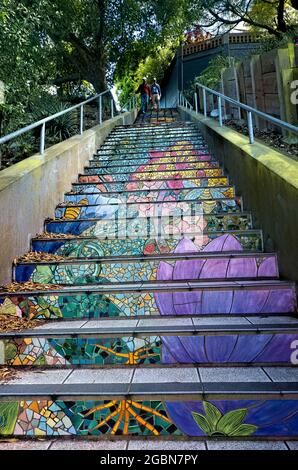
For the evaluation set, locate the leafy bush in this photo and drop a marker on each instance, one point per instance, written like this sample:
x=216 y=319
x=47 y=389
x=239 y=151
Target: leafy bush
x=154 y=65
x=63 y=126
x=211 y=76
x=268 y=43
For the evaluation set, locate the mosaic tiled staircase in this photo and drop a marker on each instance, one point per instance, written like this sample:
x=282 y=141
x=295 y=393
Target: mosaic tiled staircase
x=172 y=319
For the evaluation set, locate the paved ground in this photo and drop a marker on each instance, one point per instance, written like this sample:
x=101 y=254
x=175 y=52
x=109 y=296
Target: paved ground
x=147 y=445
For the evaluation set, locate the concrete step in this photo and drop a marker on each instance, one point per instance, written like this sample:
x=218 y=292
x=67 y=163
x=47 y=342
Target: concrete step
x=187 y=141
x=246 y=402
x=161 y=443
x=145 y=227
x=86 y=246
x=188 y=216
x=135 y=269
x=170 y=136
x=153 y=342
x=164 y=296
x=177 y=255
x=137 y=126
x=150 y=185
x=183 y=150
x=148 y=166
x=162 y=130
x=149 y=158
x=180 y=178
x=143 y=209
x=169 y=139
x=111 y=208
x=93 y=195
x=143 y=174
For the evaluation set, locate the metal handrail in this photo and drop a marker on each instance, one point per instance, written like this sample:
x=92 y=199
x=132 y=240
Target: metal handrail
x=131 y=103
x=43 y=121
x=182 y=101
x=249 y=110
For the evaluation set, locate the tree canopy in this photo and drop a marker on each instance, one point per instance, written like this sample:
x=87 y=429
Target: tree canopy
x=275 y=17
x=57 y=42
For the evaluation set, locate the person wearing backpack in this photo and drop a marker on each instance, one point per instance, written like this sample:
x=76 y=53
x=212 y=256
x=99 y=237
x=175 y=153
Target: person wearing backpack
x=156 y=95
x=145 y=91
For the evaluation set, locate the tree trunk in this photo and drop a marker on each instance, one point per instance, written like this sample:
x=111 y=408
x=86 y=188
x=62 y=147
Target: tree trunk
x=96 y=73
x=281 y=24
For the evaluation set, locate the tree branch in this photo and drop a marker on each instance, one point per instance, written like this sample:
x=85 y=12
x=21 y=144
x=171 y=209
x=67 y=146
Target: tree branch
x=79 y=45
x=71 y=78
x=246 y=19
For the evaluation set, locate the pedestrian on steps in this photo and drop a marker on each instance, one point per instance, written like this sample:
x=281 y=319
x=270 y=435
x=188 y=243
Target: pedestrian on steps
x=145 y=91
x=156 y=95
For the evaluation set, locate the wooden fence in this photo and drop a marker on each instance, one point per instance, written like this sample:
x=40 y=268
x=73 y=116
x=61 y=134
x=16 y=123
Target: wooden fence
x=264 y=81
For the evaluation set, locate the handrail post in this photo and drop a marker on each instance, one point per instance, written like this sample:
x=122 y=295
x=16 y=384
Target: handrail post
x=219 y=111
x=112 y=108
x=42 y=138
x=100 y=109
x=250 y=127
x=205 y=102
x=81 y=119
x=196 y=102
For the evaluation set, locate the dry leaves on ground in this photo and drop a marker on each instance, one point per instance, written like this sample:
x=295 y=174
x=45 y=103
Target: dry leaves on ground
x=54 y=235
x=39 y=256
x=7 y=374
x=70 y=204
x=29 y=286
x=271 y=138
x=13 y=323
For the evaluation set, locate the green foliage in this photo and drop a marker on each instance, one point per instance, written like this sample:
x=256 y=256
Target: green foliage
x=8 y=417
x=63 y=126
x=211 y=76
x=154 y=65
x=268 y=43
x=215 y=424
x=266 y=12
x=77 y=43
x=271 y=16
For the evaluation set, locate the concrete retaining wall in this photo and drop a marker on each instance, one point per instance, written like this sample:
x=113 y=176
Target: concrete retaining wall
x=268 y=182
x=31 y=189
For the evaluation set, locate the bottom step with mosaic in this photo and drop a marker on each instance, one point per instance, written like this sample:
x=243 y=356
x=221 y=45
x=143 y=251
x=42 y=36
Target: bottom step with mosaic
x=194 y=402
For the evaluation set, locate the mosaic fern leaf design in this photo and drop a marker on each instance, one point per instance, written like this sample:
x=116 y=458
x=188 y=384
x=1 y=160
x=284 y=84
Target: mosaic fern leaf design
x=8 y=417
x=215 y=424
